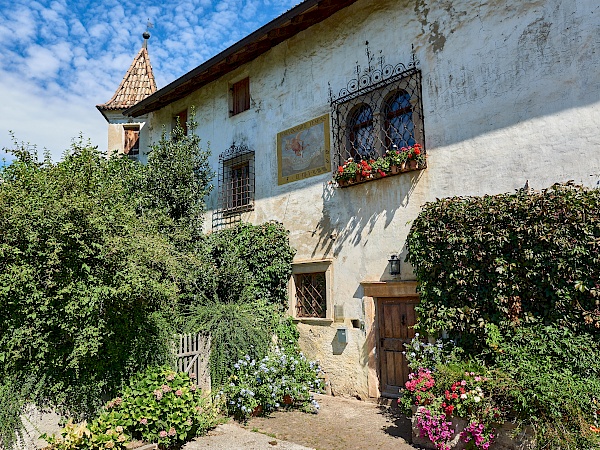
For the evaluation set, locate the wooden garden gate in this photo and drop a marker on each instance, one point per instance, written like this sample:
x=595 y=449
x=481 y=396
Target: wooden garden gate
x=193 y=354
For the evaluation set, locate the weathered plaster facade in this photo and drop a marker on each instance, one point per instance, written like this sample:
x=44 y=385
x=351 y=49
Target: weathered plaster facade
x=117 y=124
x=511 y=92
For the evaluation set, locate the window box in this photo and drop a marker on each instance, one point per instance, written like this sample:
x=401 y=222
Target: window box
x=395 y=162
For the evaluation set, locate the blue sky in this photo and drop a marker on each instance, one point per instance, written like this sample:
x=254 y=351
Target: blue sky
x=60 y=58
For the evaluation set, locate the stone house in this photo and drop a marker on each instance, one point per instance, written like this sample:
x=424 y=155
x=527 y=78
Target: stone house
x=497 y=93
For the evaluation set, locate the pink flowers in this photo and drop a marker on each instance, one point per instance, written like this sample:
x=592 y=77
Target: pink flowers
x=158 y=394
x=163 y=434
x=144 y=421
x=422 y=381
x=193 y=388
x=178 y=392
x=476 y=432
x=172 y=431
x=170 y=377
x=435 y=427
x=165 y=388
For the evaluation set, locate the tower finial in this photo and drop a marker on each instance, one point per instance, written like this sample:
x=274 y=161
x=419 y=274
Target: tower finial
x=146 y=34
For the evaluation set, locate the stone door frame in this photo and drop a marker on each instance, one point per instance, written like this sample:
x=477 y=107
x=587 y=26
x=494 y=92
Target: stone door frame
x=372 y=291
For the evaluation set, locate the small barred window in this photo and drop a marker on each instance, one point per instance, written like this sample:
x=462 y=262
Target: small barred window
x=236 y=186
x=311 y=295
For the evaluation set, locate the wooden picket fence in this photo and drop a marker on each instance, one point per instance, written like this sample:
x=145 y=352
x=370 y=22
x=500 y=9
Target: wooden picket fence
x=192 y=357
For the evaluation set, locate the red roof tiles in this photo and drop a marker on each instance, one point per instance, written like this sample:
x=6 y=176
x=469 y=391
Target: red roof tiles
x=138 y=83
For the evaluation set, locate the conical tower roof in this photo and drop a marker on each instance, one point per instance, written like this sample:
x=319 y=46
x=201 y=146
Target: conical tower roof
x=138 y=83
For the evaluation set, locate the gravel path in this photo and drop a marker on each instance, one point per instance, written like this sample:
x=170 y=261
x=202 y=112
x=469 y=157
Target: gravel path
x=341 y=424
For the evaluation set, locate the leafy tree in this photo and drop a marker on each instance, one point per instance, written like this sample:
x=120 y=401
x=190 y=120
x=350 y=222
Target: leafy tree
x=177 y=178
x=85 y=280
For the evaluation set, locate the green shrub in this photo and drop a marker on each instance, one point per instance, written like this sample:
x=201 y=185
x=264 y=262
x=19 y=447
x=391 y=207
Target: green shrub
x=277 y=380
x=158 y=406
x=261 y=252
x=235 y=330
x=555 y=379
x=13 y=400
x=514 y=278
x=240 y=294
x=508 y=259
x=83 y=280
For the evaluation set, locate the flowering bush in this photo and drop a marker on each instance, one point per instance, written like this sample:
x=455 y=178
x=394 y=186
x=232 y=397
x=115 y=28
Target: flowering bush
x=159 y=406
x=279 y=379
x=466 y=398
x=435 y=427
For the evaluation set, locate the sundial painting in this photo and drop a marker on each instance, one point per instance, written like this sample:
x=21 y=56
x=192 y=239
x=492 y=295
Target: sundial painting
x=303 y=151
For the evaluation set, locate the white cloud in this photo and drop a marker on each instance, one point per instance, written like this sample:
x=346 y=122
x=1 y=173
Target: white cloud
x=41 y=62
x=50 y=122
x=60 y=57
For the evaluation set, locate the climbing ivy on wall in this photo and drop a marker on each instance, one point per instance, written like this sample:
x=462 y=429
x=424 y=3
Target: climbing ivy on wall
x=509 y=259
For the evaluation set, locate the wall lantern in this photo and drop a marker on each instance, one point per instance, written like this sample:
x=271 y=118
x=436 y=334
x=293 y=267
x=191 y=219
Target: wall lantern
x=394 y=265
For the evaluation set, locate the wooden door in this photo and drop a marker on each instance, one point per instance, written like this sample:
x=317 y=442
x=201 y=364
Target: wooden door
x=396 y=317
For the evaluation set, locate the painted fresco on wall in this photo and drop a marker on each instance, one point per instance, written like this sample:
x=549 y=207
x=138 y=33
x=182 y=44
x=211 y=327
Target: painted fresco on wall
x=303 y=151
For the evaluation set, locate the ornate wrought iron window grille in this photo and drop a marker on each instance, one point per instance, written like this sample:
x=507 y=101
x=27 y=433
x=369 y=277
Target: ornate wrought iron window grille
x=311 y=295
x=236 y=185
x=381 y=107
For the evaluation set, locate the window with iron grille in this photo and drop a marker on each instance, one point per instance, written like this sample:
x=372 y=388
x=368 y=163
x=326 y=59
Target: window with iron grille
x=378 y=110
x=311 y=295
x=236 y=185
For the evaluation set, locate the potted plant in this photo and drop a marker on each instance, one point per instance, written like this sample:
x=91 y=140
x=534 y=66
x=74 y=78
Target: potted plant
x=416 y=157
x=381 y=167
x=347 y=172
x=365 y=169
x=396 y=159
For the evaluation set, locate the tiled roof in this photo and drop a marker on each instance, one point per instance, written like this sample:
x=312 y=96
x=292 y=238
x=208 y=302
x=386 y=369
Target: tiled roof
x=138 y=83
x=299 y=18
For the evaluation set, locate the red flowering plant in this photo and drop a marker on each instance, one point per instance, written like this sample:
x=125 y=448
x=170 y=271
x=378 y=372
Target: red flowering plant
x=415 y=153
x=396 y=157
x=420 y=384
x=366 y=168
x=347 y=171
x=381 y=166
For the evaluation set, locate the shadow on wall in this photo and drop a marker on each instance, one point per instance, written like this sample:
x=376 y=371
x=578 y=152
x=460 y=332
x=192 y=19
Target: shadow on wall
x=350 y=214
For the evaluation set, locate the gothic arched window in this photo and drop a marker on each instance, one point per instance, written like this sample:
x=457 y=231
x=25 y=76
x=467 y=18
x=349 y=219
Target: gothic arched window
x=361 y=133
x=399 y=125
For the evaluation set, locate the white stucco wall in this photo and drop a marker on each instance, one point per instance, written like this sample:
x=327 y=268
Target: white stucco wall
x=116 y=134
x=511 y=92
